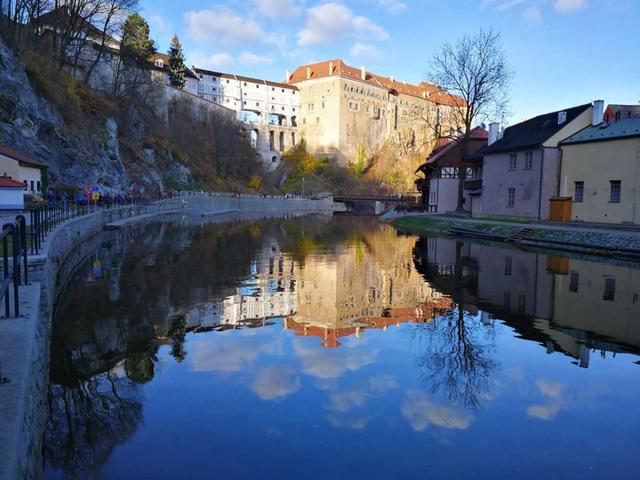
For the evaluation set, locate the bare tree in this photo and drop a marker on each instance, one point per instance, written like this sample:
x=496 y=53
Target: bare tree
x=112 y=15
x=475 y=69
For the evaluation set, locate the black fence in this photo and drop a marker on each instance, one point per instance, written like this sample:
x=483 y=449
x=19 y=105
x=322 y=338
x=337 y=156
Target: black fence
x=14 y=263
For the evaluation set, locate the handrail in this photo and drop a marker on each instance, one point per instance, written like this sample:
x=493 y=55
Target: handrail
x=12 y=275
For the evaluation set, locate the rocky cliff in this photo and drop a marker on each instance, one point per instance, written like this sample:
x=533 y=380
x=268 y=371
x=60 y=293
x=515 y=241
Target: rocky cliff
x=75 y=155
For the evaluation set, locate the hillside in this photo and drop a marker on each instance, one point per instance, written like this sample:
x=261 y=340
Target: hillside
x=85 y=138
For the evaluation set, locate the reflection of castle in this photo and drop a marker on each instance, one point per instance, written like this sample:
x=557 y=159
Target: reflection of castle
x=368 y=283
x=567 y=305
x=268 y=292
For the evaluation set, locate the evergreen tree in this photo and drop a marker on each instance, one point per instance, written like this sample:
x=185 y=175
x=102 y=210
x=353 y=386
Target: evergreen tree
x=176 y=64
x=136 y=46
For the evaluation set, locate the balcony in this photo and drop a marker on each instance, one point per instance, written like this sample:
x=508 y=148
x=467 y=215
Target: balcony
x=473 y=185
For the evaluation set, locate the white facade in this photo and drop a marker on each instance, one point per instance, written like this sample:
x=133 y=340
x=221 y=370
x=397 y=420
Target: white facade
x=270 y=102
x=269 y=109
x=11 y=198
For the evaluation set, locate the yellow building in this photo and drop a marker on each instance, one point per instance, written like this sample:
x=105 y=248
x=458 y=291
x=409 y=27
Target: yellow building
x=344 y=110
x=601 y=172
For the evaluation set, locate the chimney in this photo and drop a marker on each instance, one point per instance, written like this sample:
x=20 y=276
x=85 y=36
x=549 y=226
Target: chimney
x=331 y=68
x=308 y=73
x=598 y=112
x=287 y=76
x=392 y=79
x=562 y=117
x=363 y=73
x=494 y=133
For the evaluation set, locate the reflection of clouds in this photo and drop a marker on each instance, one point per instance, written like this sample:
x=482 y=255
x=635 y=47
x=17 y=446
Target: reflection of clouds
x=275 y=382
x=344 y=405
x=230 y=353
x=332 y=363
x=347 y=400
x=552 y=391
x=358 y=422
x=422 y=412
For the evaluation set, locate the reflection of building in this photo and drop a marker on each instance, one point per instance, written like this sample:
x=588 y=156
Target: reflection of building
x=369 y=282
x=566 y=305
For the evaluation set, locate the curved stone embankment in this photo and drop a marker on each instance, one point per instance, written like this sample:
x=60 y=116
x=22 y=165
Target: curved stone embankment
x=229 y=202
x=24 y=341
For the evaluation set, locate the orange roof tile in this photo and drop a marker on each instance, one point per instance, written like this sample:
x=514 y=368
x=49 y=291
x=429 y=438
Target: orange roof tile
x=423 y=90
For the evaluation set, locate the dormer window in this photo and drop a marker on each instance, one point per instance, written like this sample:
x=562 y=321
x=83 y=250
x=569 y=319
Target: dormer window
x=159 y=63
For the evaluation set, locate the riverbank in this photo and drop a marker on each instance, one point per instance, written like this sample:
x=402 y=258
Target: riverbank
x=583 y=239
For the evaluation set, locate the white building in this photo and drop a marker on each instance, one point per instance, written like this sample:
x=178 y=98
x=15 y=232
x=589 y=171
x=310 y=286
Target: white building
x=270 y=108
x=18 y=166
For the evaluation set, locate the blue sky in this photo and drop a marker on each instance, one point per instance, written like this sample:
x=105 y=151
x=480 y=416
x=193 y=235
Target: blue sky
x=563 y=52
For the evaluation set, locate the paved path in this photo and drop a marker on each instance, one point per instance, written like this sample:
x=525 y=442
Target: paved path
x=623 y=230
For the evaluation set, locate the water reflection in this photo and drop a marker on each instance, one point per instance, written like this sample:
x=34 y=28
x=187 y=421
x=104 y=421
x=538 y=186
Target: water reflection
x=568 y=305
x=198 y=342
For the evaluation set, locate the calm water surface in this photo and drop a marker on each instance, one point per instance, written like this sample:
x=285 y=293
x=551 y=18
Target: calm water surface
x=334 y=348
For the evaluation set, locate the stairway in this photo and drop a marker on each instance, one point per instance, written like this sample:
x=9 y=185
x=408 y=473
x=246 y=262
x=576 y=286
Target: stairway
x=520 y=235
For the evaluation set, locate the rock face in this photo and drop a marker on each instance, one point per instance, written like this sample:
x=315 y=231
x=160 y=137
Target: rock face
x=28 y=123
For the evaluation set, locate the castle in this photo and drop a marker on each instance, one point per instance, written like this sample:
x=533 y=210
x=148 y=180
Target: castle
x=337 y=109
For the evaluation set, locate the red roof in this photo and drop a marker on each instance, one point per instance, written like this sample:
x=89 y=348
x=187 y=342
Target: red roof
x=424 y=90
x=6 y=182
x=20 y=157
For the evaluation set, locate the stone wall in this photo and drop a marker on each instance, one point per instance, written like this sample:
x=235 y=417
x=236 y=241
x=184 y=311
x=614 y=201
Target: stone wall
x=228 y=202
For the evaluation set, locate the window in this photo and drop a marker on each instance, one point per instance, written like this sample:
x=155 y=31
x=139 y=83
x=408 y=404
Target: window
x=574 y=279
x=310 y=107
x=579 y=192
x=507 y=265
x=512 y=161
x=609 y=289
x=317 y=119
x=528 y=160
x=511 y=202
x=38 y=185
x=257 y=104
x=32 y=185
x=616 y=186
x=257 y=86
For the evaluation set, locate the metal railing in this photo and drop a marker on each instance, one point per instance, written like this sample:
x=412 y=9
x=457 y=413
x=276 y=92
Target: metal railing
x=13 y=235
x=46 y=217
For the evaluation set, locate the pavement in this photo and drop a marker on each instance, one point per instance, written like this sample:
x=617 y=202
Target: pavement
x=18 y=344
x=599 y=228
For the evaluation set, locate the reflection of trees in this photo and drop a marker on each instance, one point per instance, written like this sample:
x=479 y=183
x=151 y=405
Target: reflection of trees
x=458 y=357
x=87 y=421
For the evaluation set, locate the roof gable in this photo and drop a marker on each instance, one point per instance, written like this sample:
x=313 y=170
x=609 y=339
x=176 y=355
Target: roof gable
x=534 y=132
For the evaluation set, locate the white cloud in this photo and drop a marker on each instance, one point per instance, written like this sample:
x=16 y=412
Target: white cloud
x=328 y=364
x=533 y=15
x=567 y=6
x=421 y=412
x=553 y=391
x=275 y=382
x=278 y=8
x=249 y=58
x=393 y=6
x=224 y=26
x=215 y=62
x=332 y=22
x=363 y=50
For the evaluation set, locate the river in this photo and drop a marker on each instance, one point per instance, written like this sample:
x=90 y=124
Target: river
x=319 y=347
